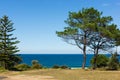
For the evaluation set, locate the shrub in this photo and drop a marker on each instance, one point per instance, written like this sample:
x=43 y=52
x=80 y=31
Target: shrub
x=22 y=67
x=60 y=67
x=35 y=62
x=2 y=69
x=36 y=65
x=113 y=63
x=102 y=61
x=64 y=67
x=56 y=67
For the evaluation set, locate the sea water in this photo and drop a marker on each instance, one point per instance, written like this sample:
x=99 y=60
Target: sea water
x=49 y=60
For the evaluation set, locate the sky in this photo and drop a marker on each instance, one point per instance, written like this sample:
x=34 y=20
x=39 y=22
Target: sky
x=36 y=21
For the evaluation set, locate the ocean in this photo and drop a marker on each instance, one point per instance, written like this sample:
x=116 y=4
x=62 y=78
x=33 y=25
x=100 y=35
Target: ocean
x=49 y=60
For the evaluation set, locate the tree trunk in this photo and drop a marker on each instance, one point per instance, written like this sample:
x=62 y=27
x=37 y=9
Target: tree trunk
x=84 y=53
x=95 y=59
x=84 y=60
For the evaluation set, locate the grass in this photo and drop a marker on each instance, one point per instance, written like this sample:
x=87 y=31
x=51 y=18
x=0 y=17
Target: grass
x=75 y=74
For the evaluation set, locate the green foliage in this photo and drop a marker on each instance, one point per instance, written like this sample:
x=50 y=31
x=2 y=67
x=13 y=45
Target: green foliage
x=56 y=67
x=2 y=69
x=36 y=65
x=60 y=67
x=80 y=25
x=113 y=63
x=7 y=44
x=7 y=41
x=22 y=67
x=88 y=28
x=13 y=60
x=102 y=61
x=103 y=37
x=64 y=67
x=35 y=62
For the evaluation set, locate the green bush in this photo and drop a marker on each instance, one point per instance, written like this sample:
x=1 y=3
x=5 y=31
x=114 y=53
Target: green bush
x=36 y=65
x=64 y=67
x=113 y=63
x=35 y=62
x=22 y=67
x=102 y=61
x=56 y=67
x=2 y=69
x=60 y=67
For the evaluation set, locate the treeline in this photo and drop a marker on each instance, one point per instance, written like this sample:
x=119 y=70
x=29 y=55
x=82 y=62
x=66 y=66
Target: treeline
x=90 y=31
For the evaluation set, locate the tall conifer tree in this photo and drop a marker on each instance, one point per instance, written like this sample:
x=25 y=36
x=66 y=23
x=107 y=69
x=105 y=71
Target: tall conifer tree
x=7 y=44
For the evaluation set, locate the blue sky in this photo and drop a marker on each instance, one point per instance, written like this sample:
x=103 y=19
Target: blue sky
x=36 y=21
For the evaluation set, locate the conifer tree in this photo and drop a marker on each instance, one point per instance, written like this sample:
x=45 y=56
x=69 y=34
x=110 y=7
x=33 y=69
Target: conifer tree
x=7 y=44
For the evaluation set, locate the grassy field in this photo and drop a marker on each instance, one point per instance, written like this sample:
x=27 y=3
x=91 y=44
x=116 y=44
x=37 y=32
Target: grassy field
x=76 y=74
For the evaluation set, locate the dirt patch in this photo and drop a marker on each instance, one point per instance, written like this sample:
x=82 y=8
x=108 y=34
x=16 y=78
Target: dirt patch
x=2 y=77
x=27 y=77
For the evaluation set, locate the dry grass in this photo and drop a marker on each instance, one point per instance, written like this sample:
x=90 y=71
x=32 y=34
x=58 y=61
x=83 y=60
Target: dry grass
x=76 y=74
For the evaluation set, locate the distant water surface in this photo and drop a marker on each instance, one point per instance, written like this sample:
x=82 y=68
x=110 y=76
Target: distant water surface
x=48 y=60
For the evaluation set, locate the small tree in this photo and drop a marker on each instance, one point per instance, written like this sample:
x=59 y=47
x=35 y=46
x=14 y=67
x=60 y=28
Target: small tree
x=7 y=44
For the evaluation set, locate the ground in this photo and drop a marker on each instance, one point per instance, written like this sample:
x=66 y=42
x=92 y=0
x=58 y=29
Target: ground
x=59 y=74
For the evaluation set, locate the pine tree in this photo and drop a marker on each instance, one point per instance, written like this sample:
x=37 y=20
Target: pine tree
x=7 y=44
x=88 y=29
x=80 y=25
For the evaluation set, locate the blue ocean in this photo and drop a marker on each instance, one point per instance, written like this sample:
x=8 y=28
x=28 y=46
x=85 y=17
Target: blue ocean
x=49 y=60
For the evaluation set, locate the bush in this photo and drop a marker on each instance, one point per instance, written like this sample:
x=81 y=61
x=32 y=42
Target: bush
x=60 y=67
x=2 y=69
x=64 y=67
x=35 y=62
x=102 y=61
x=36 y=65
x=113 y=63
x=56 y=67
x=22 y=67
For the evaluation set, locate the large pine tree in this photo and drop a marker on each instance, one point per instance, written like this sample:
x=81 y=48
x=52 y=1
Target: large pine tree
x=80 y=25
x=88 y=29
x=7 y=44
